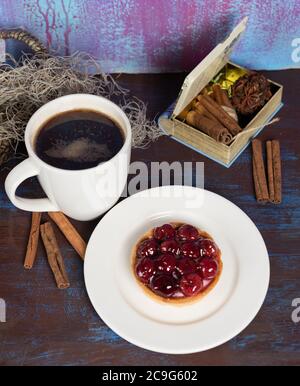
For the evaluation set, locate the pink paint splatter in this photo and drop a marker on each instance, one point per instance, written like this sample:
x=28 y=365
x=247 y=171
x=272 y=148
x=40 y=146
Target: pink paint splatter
x=160 y=35
x=45 y=16
x=68 y=28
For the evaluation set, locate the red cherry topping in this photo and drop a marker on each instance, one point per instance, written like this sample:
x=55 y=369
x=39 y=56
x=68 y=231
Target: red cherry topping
x=208 y=268
x=177 y=259
x=190 y=249
x=176 y=275
x=148 y=248
x=187 y=233
x=186 y=265
x=145 y=269
x=163 y=285
x=165 y=232
x=170 y=246
x=191 y=284
x=208 y=248
x=166 y=263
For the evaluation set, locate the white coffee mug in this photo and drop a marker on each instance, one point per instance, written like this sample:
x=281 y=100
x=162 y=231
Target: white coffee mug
x=81 y=194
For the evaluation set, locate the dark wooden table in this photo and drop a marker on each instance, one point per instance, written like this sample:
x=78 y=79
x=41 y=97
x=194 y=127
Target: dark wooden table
x=47 y=326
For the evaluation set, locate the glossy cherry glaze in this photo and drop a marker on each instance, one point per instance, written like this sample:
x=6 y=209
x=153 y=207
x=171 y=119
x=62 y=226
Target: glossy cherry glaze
x=145 y=269
x=186 y=265
x=190 y=249
x=165 y=232
x=208 y=268
x=177 y=262
x=148 y=248
x=166 y=263
x=187 y=232
x=191 y=284
x=171 y=246
x=163 y=285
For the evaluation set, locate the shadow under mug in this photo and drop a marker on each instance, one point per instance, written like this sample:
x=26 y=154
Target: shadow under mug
x=80 y=194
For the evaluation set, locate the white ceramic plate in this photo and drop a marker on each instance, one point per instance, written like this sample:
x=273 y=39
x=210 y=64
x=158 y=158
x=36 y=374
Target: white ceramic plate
x=223 y=313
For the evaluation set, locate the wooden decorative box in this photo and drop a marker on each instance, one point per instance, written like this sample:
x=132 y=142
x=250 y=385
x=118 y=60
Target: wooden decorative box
x=193 y=84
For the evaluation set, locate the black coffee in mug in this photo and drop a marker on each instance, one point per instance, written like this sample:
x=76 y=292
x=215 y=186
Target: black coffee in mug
x=78 y=139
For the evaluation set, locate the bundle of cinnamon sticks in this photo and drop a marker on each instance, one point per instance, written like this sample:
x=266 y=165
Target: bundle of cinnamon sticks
x=54 y=255
x=267 y=185
x=214 y=115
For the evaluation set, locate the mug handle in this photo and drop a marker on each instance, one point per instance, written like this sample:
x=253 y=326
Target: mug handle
x=19 y=174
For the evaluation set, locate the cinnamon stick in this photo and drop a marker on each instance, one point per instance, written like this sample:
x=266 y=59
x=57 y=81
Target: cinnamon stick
x=221 y=96
x=54 y=256
x=274 y=170
x=204 y=91
x=69 y=232
x=222 y=116
x=226 y=101
x=197 y=106
x=270 y=170
x=209 y=127
x=259 y=174
x=255 y=179
x=223 y=100
x=33 y=240
x=217 y=93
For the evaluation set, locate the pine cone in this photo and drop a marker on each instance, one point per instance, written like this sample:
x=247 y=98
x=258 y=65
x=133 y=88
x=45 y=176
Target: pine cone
x=250 y=92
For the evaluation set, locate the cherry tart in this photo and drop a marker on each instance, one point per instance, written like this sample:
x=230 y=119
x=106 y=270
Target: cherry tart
x=177 y=262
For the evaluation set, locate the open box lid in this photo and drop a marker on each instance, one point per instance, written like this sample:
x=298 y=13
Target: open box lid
x=207 y=69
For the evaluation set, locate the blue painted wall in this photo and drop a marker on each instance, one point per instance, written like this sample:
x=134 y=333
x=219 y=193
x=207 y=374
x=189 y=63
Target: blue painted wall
x=161 y=35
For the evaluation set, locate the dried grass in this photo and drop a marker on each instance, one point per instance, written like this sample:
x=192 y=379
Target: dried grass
x=28 y=85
